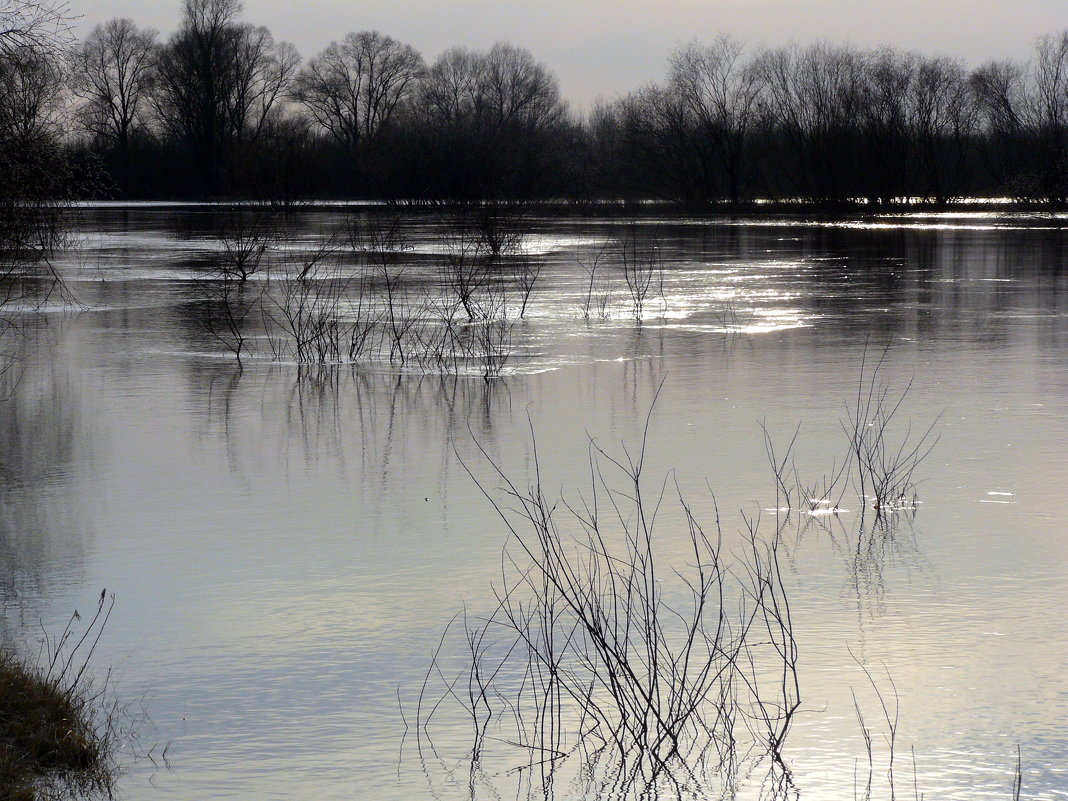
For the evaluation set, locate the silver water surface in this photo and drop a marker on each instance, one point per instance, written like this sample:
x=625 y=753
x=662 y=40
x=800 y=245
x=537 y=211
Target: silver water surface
x=286 y=548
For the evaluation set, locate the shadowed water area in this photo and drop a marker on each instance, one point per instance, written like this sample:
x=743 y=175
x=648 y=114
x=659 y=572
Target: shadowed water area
x=287 y=543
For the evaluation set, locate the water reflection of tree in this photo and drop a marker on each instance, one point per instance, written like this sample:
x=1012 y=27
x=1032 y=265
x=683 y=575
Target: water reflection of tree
x=41 y=429
x=38 y=419
x=867 y=547
x=356 y=425
x=886 y=543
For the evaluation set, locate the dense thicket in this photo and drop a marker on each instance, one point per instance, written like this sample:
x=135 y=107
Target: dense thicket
x=220 y=109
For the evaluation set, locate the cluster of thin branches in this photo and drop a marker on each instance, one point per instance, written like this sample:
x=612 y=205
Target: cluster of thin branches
x=357 y=297
x=486 y=261
x=598 y=654
x=634 y=257
x=601 y=666
x=31 y=230
x=884 y=463
x=247 y=237
x=643 y=269
x=866 y=779
x=315 y=316
x=41 y=25
x=35 y=177
x=461 y=321
x=596 y=293
x=882 y=457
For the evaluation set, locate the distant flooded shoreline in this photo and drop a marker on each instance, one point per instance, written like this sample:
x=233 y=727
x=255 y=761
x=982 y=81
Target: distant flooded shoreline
x=994 y=212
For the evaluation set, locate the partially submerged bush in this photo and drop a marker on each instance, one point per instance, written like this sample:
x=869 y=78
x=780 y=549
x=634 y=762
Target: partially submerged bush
x=883 y=454
x=643 y=675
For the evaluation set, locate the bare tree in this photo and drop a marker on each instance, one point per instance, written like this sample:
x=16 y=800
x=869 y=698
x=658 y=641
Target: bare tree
x=941 y=121
x=30 y=97
x=692 y=136
x=517 y=90
x=353 y=87
x=217 y=82
x=1018 y=109
x=38 y=25
x=883 y=156
x=191 y=82
x=504 y=86
x=719 y=93
x=1000 y=89
x=263 y=72
x=1049 y=112
x=32 y=36
x=112 y=73
x=489 y=120
x=450 y=87
x=660 y=143
x=34 y=178
x=811 y=98
x=33 y=175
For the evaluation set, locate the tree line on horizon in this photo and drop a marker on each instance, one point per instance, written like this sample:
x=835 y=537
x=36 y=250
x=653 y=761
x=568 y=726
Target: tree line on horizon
x=220 y=109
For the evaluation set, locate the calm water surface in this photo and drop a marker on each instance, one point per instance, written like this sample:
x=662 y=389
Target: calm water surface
x=285 y=549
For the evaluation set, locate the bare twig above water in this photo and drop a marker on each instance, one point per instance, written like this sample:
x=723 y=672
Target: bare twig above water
x=597 y=650
x=882 y=457
x=885 y=461
x=643 y=269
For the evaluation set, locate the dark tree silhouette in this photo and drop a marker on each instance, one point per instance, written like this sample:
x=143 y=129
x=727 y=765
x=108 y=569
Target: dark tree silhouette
x=217 y=83
x=35 y=181
x=112 y=76
x=353 y=88
x=230 y=112
x=719 y=94
x=488 y=122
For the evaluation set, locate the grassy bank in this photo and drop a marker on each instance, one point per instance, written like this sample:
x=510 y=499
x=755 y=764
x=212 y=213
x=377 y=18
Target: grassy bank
x=55 y=731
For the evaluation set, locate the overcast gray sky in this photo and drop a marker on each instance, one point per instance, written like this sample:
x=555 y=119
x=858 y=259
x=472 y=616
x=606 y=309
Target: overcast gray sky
x=609 y=47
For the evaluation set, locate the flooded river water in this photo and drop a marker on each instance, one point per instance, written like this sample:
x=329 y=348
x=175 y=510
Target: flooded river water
x=286 y=545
